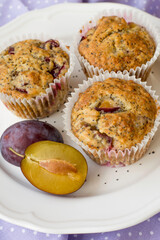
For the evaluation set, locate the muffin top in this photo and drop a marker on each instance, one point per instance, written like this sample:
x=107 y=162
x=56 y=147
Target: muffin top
x=116 y=45
x=28 y=67
x=113 y=114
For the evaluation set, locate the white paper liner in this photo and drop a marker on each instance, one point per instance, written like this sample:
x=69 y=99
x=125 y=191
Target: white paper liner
x=45 y=104
x=112 y=157
x=130 y=15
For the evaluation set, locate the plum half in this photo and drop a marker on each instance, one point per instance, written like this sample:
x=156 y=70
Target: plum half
x=20 y=135
x=54 y=167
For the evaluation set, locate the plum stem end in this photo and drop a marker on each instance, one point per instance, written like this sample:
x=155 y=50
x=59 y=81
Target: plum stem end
x=18 y=154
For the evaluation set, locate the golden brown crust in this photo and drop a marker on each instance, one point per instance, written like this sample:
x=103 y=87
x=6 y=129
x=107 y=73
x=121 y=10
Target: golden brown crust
x=28 y=67
x=133 y=116
x=116 y=45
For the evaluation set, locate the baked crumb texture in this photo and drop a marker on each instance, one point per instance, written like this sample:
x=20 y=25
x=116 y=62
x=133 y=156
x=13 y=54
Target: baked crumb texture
x=31 y=73
x=113 y=115
x=115 y=45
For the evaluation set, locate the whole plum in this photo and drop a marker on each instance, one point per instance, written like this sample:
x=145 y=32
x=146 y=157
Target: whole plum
x=22 y=134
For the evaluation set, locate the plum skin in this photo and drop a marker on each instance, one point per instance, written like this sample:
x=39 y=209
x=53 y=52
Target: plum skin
x=22 y=134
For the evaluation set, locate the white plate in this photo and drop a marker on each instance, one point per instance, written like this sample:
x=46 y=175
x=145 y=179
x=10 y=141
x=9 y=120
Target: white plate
x=111 y=198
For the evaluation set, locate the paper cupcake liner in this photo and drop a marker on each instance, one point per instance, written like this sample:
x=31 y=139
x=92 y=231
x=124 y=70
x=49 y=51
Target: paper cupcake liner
x=130 y=15
x=45 y=104
x=111 y=157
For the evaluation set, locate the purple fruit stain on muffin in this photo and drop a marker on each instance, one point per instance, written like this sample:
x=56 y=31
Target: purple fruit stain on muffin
x=82 y=38
x=56 y=70
x=108 y=138
x=107 y=110
x=47 y=59
x=21 y=90
x=53 y=43
x=104 y=135
x=11 y=50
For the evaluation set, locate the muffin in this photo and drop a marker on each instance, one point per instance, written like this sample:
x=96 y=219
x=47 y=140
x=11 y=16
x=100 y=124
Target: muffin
x=112 y=119
x=118 y=43
x=33 y=77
